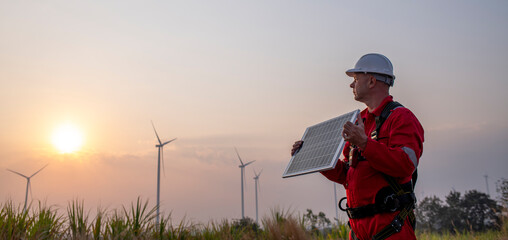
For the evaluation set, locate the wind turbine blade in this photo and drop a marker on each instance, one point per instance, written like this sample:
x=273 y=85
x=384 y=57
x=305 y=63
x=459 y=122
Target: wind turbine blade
x=17 y=173
x=249 y=163
x=169 y=141
x=156 y=133
x=239 y=158
x=256 y=179
x=39 y=170
x=257 y=174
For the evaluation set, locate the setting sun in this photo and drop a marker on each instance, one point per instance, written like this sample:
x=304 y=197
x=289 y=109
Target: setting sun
x=67 y=138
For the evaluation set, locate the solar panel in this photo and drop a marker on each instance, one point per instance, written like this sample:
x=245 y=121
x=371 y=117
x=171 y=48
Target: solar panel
x=322 y=146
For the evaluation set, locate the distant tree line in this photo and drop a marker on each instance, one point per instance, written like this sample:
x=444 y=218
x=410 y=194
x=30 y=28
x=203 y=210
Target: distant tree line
x=474 y=211
x=316 y=222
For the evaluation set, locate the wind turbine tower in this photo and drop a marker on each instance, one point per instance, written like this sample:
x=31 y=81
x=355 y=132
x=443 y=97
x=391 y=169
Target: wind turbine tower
x=336 y=202
x=28 y=185
x=242 y=171
x=256 y=181
x=487 y=183
x=160 y=147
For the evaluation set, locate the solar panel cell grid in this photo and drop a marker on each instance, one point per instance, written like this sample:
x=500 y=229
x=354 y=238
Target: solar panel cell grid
x=322 y=146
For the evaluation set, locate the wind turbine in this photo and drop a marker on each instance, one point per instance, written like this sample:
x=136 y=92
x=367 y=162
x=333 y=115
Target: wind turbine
x=242 y=170
x=160 y=147
x=256 y=180
x=28 y=185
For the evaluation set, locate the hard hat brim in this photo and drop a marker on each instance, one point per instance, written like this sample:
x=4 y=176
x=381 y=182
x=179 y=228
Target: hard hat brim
x=351 y=72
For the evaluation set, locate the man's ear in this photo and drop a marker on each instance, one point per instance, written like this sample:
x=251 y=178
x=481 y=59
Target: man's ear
x=372 y=81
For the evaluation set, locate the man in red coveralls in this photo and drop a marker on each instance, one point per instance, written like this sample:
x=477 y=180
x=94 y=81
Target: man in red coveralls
x=393 y=150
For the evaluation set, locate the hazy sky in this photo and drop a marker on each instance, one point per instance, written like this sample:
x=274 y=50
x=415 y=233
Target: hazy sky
x=245 y=74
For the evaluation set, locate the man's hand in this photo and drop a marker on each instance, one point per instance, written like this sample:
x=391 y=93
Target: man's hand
x=355 y=134
x=296 y=146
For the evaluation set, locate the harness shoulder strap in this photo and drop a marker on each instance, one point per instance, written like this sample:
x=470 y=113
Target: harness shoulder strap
x=383 y=116
x=397 y=223
x=379 y=122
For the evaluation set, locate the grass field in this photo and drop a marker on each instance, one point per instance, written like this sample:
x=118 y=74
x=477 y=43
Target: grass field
x=138 y=222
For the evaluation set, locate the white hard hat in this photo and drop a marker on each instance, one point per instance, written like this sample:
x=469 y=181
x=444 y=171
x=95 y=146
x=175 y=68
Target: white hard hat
x=374 y=63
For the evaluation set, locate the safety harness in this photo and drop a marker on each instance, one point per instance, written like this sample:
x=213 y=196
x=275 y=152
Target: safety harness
x=396 y=197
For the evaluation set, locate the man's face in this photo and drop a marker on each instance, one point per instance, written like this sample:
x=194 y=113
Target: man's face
x=360 y=86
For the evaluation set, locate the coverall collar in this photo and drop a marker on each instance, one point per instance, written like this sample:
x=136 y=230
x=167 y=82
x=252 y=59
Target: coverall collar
x=379 y=109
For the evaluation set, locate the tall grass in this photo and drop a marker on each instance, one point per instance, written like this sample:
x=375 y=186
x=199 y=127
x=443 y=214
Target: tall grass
x=502 y=234
x=136 y=222
x=283 y=225
x=77 y=220
x=42 y=223
x=13 y=221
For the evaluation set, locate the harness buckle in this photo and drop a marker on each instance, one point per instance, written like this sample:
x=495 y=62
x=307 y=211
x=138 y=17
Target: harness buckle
x=397 y=224
x=349 y=213
x=348 y=210
x=373 y=135
x=391 y=202
x=340 y=204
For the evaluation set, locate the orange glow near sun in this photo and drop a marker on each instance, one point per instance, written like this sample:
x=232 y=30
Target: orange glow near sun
x=67 y=138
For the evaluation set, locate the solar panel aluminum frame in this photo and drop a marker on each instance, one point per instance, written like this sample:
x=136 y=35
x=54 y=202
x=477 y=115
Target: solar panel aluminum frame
x=336 y=155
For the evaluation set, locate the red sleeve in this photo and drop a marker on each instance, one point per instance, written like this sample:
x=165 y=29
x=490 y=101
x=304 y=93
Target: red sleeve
x=399 y=155
x=338 y=174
